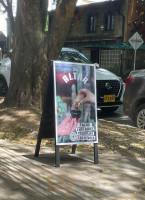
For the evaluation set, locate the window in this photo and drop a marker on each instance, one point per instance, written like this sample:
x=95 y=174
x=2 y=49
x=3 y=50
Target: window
x=109 y=22
x=70 y=56
x=92 y=24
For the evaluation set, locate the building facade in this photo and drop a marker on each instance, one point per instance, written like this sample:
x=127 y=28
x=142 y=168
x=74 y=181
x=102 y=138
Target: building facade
x=98 y=25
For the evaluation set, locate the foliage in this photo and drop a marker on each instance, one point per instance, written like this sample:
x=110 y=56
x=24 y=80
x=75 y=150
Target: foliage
x=137 y=23
x=60 y=105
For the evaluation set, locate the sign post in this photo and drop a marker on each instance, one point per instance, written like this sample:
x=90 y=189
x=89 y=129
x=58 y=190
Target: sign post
x=136 y=41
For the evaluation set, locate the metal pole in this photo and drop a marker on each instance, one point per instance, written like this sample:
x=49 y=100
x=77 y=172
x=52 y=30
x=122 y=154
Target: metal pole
x=101 y=48
x=100 y=52
x=96 y=160
x=73 y=149
x=134 y=59
x=57 y=156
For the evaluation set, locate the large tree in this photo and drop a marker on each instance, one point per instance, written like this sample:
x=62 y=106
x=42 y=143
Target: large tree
x=34 y=49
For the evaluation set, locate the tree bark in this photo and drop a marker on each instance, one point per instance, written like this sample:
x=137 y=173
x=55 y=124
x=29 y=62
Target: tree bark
x=29 y=55
x=33 y=50
x=57 y=34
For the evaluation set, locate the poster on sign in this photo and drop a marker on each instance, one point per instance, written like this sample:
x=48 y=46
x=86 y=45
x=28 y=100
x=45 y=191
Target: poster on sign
x=75 y=103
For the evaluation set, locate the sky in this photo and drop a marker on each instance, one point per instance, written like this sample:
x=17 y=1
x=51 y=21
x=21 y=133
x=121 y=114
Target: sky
x=83 y=2
x=2 y=23
x=4 y=16
x=80 y=2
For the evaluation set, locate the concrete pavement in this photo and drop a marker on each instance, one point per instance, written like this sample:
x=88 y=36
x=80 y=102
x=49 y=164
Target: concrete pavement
x=23 y=177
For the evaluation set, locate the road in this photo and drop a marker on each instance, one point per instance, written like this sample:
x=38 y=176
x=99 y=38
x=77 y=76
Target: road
x=117 y=116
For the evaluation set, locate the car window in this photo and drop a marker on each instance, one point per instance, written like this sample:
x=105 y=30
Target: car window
x=73 y=57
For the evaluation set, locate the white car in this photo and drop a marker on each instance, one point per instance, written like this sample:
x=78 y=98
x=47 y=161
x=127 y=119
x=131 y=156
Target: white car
x=110 y=88
x=5 y=70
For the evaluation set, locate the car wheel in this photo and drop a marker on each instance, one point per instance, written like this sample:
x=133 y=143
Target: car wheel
x=3 y=87
x=139 y=116
x=109 y=109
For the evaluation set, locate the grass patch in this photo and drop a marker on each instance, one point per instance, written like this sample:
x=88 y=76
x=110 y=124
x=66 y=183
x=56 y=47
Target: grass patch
x=94 y=190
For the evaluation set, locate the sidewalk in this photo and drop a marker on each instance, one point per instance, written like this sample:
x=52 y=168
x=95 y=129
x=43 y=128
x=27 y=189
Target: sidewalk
x=23 y=177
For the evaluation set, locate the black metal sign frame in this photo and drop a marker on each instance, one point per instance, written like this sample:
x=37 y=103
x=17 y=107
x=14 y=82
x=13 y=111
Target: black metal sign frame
x=47 y=127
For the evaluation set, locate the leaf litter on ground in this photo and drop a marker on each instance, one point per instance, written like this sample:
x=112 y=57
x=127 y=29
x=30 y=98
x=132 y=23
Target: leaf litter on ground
x=22 y=125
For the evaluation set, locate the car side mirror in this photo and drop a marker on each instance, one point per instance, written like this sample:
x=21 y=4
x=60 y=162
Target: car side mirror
x=96 y=65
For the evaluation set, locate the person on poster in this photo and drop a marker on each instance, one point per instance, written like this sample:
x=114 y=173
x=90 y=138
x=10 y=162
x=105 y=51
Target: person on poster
x=89 y=97
x=69 y=124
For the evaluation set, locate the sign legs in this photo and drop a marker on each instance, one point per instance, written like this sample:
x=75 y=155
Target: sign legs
x=73 y=149
x=37 y=149
x=57 y=156
x=96 y=153
x=134 y=59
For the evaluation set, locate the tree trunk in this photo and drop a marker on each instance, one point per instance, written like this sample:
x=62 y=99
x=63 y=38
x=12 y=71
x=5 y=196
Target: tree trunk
x=29 y=55
x=57 y=34
x=33 y=50
x=10 y=16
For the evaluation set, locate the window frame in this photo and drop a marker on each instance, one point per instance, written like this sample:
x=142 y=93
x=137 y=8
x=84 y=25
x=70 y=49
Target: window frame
x=109 y=21
x=92 y=23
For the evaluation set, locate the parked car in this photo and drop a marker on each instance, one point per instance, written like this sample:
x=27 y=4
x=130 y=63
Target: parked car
x=5 y=68
x=110 y=87
x=134 y=97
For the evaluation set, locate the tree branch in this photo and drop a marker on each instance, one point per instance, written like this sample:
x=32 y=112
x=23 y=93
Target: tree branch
x=8 y=3
x=10 y=15
x=3 y=4
x=43 y=5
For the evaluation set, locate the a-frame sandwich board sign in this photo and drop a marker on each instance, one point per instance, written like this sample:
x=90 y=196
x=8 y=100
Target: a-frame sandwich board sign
x=70 y=110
